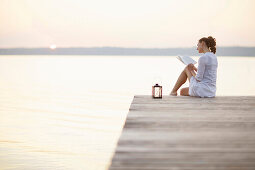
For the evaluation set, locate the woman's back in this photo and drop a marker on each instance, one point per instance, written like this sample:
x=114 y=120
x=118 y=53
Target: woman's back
x=210 y=72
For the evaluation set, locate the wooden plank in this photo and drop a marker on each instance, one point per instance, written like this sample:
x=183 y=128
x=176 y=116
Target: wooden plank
x=188 y=133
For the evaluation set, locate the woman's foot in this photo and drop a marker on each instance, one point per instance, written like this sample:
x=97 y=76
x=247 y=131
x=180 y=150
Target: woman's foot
x=173 y=93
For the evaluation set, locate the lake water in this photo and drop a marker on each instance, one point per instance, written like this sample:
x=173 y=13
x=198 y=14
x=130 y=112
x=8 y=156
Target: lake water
x=67 y=112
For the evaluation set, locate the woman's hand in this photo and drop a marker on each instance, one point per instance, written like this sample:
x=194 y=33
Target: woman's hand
x=191 y=67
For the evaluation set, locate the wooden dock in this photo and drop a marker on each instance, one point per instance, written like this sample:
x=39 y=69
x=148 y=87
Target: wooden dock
x=188 y=133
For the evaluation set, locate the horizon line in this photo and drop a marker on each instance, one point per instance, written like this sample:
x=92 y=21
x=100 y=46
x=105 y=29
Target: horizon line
x=122 y=47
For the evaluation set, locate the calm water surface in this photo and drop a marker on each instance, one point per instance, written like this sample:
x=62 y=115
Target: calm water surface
x=67 y=112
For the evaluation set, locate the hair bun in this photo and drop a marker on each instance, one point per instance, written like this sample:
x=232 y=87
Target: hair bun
x=212 y=41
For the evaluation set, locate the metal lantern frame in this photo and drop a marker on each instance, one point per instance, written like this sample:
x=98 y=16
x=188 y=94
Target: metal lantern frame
x=153 y=91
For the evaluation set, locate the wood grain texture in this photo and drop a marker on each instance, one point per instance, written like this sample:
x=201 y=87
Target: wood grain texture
x=188 y=133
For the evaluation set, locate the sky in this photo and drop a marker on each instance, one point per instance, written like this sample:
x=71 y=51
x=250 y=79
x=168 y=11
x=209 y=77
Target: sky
x=129 y=23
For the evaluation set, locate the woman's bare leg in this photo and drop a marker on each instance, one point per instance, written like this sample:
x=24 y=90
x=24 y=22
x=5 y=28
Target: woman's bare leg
x=186 y=74
x=180 y=81
x=184 y=91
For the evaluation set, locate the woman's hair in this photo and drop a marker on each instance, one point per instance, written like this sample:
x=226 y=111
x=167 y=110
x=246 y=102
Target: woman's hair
x=210 y=43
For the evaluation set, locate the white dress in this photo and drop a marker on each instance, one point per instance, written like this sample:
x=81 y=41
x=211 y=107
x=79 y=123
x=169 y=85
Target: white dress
x=204 y=83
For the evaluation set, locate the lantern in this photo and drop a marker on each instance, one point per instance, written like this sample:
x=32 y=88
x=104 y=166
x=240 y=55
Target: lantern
x=157 y=91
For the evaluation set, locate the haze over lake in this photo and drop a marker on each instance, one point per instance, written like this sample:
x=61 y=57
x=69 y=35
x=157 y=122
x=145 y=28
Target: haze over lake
x=119 y=51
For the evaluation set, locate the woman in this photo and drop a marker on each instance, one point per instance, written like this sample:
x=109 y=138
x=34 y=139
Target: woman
x=202 y=83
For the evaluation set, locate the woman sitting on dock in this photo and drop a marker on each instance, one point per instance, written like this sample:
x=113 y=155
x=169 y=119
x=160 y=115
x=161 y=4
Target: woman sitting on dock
x=202 y=83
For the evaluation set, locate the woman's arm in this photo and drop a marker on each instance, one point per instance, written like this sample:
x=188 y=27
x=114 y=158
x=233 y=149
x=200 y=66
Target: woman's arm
x=200 y=68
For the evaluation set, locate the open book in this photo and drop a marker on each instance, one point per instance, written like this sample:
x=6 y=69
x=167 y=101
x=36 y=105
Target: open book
x=186 y=60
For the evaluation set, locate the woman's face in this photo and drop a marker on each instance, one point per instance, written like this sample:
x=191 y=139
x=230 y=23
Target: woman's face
x=200 y=47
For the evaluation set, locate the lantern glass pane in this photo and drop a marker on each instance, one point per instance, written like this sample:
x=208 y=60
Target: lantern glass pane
x=157 y=92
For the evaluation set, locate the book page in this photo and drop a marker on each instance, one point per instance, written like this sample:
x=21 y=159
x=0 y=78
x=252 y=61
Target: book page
x=179 y=58
x=186 y=60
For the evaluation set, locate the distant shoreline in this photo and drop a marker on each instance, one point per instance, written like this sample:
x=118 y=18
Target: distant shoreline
x=221 y=51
